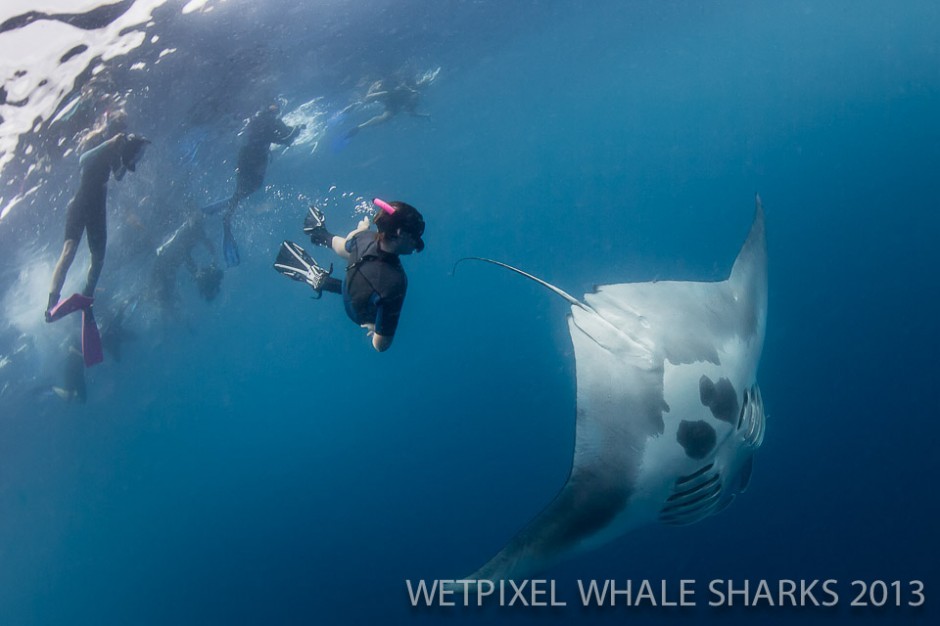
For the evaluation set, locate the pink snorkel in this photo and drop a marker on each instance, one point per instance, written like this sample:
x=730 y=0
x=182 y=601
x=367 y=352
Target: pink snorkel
x=385 y=206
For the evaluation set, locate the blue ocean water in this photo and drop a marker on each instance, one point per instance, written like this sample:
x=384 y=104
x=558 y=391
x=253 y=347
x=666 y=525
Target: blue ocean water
x=252 y=461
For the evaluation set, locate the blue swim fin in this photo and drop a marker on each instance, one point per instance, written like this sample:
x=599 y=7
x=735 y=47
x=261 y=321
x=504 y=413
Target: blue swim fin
x=230 y=248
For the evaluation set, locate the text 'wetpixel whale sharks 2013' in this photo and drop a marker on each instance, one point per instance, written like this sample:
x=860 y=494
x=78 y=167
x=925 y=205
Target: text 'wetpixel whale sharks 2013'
x=669 y=413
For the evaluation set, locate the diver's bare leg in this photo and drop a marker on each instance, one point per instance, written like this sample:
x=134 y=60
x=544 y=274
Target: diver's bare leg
x=61 y=270
x=378 y=119
x=94 y=272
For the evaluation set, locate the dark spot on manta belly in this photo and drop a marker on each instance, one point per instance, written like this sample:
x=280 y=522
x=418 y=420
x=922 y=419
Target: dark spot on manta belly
x=720 y=397
x=696 y=438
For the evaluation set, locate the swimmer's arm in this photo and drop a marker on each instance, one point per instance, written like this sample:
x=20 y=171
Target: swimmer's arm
x=381 y=343
x=339 y=243
x=286 y=134
x=94 y=152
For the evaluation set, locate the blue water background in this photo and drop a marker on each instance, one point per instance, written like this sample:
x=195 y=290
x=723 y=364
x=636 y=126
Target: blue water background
x=263 y=466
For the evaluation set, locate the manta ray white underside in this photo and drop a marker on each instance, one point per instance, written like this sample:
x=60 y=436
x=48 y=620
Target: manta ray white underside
x=668 y=409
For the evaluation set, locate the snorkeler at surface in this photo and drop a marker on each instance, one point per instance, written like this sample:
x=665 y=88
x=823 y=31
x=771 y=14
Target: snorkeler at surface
x=375 y=284
x=264 y=128
x=87 y=212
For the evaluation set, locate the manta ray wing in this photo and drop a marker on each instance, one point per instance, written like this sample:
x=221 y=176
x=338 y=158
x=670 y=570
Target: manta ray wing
x=661 y=432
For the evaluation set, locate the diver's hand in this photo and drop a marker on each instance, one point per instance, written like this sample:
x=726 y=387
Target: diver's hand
x=369 y=328
x=315 y=227
x=364 y=224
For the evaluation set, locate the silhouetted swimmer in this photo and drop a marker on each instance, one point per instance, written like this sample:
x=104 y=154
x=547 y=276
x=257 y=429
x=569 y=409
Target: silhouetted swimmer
x=87 y=211
x=177 y=251
x=401 y=98
x=264 y=128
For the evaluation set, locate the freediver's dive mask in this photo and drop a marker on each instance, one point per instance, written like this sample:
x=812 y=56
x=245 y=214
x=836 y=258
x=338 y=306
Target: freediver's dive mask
x=392 y=216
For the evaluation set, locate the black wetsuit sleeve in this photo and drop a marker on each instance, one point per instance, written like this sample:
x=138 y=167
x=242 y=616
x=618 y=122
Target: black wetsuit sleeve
x=93 y=154
x=387 y=313
x=284 y=134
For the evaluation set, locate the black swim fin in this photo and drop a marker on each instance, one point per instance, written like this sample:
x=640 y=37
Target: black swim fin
x=294 y=262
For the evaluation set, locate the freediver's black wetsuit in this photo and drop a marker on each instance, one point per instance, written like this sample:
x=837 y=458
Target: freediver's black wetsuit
x=375 y=284
x=401 y=98
x=86 y=210
x=264 y=129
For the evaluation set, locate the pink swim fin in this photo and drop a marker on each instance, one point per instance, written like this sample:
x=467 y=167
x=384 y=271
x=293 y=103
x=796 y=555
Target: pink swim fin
x=91 y=339
x=75 y=302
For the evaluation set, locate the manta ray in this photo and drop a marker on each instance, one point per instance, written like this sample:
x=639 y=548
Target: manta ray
x=669 y=413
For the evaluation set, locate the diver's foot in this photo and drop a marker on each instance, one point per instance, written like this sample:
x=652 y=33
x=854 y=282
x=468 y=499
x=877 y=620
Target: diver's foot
x=75 y=302
x=318 y=276
x=294 y=262
x=53 y=301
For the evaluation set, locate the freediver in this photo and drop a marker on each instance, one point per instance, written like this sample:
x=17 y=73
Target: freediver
x=112 y=122
x=87 y=211
x=264 y=128
x=375 y=283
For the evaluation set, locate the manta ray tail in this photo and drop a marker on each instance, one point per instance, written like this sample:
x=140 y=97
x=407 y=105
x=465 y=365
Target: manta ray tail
x=564 y=294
